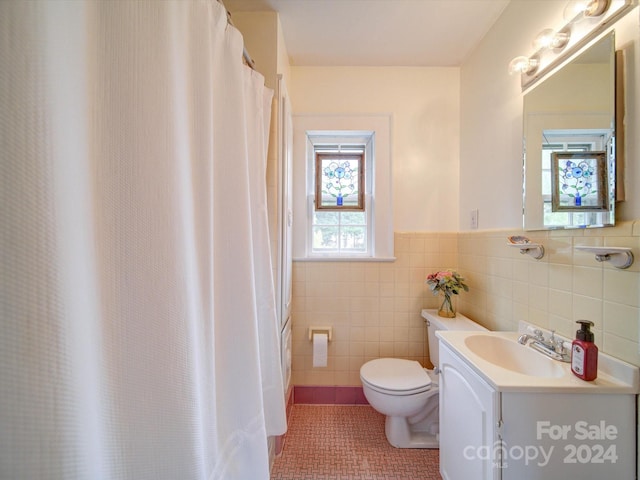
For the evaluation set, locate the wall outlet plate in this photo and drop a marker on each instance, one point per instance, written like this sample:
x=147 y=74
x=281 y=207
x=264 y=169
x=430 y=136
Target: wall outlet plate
x=474 y=219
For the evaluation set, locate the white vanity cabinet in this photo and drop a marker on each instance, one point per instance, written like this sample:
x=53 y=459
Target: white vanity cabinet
x=469 y=409
x=491 y=432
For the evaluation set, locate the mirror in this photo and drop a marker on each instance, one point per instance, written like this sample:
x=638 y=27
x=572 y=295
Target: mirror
x=569 y=144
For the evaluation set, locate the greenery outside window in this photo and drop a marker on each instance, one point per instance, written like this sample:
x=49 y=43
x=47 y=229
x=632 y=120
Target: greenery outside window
x=340 y=232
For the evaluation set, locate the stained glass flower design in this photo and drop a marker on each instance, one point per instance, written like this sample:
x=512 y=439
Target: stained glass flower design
x=576 y=180
x=339 y=180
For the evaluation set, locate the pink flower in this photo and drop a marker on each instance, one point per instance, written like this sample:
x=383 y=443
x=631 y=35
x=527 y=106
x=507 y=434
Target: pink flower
x=447 y=282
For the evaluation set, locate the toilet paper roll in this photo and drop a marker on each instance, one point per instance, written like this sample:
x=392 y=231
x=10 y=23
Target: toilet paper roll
x=320 y=342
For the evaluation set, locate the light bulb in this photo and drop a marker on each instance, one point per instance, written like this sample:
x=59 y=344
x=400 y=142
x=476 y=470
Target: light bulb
x=549 y=38
x=575 y=9
x=561 y=38
x=523 y=64
x=597 y=8
x=544 y=39
x=578 y=9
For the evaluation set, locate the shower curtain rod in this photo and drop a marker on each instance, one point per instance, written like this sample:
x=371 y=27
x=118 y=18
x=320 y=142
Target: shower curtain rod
x=245 y=55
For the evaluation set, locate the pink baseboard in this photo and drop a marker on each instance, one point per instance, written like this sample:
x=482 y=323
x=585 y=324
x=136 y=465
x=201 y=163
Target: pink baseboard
x=328 y=395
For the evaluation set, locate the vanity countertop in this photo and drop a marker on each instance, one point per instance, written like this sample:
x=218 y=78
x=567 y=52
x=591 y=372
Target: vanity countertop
x=614 y=376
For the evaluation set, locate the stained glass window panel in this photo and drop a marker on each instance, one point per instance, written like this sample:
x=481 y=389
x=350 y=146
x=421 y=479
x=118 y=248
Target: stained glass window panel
x=339 y=181
x=579 y=181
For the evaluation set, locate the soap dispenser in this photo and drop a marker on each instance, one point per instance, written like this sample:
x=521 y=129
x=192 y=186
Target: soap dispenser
x=584 y=353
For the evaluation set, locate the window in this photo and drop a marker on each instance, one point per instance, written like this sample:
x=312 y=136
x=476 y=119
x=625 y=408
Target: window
x=561 y=141
x=341 y=163
x=339 y=223
x=342 y=188
x=339 y=232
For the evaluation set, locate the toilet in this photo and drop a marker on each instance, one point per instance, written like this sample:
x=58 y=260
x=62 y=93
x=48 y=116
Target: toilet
x=406 y=392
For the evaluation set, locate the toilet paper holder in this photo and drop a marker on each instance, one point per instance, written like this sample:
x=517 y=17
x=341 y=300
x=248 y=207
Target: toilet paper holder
x=327 y=330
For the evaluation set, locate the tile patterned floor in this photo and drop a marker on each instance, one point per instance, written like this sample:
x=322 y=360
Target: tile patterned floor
x=347 y=442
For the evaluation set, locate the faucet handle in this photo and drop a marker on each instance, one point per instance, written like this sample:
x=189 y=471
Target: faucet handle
x=538 y=334
x=560 y=346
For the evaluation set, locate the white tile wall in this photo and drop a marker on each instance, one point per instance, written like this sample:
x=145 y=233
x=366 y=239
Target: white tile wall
x=375 y=307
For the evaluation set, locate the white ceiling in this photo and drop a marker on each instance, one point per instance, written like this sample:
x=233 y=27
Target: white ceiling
x=379 y=32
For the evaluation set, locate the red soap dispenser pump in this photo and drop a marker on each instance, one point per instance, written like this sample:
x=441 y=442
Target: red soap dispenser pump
x=584 y=353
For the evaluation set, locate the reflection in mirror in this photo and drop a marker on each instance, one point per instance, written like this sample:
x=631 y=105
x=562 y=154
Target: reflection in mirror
x=569 y=130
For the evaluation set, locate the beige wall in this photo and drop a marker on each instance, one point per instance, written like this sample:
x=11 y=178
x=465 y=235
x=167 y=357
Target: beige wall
x=424 y=106
x=375 y=307
x=260 y=34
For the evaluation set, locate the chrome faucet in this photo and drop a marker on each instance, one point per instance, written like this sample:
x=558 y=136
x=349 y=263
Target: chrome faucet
x=525 y=337
x=552 y=347
x=550 y=344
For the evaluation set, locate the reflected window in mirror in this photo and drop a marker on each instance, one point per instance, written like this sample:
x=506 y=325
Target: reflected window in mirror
x=571 y=111
x=573 y=142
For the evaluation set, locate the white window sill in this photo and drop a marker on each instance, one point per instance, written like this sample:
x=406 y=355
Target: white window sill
x=344 y=258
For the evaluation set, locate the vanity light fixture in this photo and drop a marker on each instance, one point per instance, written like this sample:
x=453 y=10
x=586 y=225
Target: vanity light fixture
x=553 y=45
x=546 y=39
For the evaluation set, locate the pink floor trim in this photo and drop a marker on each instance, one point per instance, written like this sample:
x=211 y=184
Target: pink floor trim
x=347 y=442
x=329 y=395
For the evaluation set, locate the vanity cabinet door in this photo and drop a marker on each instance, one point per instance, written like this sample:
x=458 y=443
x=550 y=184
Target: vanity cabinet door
x=469 y=413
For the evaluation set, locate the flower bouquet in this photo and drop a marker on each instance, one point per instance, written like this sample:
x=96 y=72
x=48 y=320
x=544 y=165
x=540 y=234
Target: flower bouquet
x=449 y=283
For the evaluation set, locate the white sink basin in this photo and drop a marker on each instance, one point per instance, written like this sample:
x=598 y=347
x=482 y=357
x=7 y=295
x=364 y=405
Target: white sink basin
x=510 y=367
x=508 y=354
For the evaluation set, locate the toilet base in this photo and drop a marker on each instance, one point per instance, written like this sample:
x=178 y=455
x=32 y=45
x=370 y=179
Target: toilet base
x=401 y=434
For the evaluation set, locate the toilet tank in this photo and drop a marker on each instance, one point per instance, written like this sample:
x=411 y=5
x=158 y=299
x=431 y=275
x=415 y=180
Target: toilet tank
x=435 y=322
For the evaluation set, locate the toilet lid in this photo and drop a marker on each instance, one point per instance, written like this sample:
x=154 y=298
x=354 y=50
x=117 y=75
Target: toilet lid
x=395 y=374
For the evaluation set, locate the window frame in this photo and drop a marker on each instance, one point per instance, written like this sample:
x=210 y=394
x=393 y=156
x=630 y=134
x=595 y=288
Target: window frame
x=344 y=142
x=567 y=141
x=306 y=127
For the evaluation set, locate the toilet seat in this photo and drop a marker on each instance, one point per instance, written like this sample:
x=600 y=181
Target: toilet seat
x=395 y=376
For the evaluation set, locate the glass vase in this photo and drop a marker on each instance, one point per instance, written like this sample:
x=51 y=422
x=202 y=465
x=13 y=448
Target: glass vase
x=446 y=309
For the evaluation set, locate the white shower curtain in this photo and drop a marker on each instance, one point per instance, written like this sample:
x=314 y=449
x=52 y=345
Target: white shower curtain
x=138 y=330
